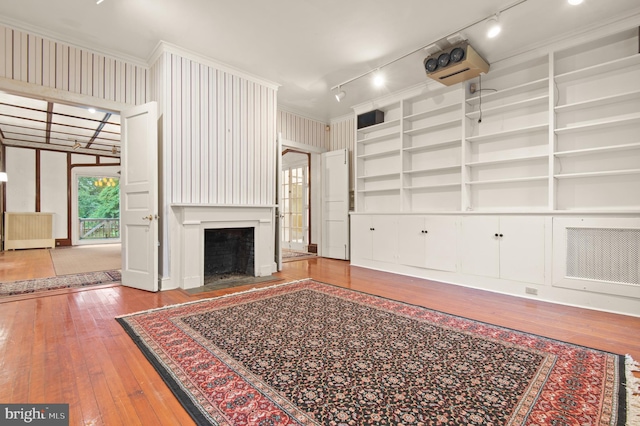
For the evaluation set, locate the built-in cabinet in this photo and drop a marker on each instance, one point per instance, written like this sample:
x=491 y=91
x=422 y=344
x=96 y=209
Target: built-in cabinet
x=464 y=183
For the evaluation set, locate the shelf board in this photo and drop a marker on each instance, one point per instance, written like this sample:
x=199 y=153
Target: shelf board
x=387 y=153
x=436 y=186
x=588 y=151
x=433 y=111
x=507 y=160
x=507 y=133
x=523 y=179
x=599 y=125
x=381 y=175
x=380 y=138
x=515 y=90
x=592 y=103
x=604 y=68
x=379 y=126
x=378 y=191
x=426 y=129
x=430 y=147
x=510 y=106
x=597 y=174
x=433 y=170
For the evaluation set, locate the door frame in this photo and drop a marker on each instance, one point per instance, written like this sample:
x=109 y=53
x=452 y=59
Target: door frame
x=308 y=189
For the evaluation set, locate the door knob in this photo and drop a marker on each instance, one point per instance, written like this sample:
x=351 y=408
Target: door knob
x=149 y=218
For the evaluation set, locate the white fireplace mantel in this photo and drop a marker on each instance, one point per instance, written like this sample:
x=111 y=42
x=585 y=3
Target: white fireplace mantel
x=193 y=219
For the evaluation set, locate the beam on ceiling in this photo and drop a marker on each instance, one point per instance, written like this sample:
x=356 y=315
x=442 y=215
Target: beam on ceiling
x=106 y=118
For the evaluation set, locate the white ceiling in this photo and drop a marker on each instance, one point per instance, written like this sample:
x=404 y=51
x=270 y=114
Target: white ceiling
x=309 y=46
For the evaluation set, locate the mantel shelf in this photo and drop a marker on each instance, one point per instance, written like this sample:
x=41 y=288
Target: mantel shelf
x=604 y=68
x=509 y=107
x=507 y=133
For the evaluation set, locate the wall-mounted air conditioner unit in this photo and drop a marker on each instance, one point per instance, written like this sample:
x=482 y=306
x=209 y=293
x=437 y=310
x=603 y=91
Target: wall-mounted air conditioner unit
x=455 y=64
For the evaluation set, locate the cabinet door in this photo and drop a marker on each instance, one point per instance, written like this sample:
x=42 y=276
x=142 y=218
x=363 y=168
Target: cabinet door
x=441 y=243
x=411 y=241
x=384 y=238
x=522 y=249
x=361 y=237
x=479 y=246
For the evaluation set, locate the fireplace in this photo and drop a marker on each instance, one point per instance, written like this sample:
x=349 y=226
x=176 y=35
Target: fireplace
x=228 y=253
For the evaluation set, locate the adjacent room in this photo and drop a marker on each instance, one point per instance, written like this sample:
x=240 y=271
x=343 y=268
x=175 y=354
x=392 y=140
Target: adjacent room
x=320 y=213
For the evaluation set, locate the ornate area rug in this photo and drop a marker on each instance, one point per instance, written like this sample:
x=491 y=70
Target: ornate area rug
x=62 y=281
x=307 y=353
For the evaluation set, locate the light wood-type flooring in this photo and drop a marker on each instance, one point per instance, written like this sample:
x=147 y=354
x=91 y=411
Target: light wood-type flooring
x=67 y=347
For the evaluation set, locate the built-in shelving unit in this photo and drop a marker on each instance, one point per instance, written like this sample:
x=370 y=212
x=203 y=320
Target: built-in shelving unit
x=557 y=132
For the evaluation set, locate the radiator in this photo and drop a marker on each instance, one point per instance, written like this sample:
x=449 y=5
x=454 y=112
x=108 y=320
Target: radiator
x=28 y=230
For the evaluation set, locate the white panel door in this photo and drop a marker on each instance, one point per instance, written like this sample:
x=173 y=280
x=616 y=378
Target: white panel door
x=479 y=246
x=441 y=243
x=411 y=250
x=139 y=197
x=361 y=237
x=335 y=205
x=384 y=238
x=522 y=249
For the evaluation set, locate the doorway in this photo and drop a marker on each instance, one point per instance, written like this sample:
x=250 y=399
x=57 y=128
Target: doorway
x=296 y=203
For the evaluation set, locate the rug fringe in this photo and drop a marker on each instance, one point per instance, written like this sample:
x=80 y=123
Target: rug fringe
x=211 y=298
x=633 y=391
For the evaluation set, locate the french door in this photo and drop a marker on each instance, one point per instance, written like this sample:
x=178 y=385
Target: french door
x=295 y=202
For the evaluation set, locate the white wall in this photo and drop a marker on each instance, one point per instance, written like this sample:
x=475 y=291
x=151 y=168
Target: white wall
x=21 y=175
x=53 y=190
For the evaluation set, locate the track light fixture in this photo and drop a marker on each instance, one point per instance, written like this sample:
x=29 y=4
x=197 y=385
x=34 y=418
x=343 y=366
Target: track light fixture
x=77 y=145
x=114 y=150
x=378 y=79
x=340 y=95
x=575 y=2
x=493 y=26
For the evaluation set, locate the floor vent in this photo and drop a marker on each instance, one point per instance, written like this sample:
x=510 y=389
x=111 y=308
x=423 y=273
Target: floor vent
x=604 y=254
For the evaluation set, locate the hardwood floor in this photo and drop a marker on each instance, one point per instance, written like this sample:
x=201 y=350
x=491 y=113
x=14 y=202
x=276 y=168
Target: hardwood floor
x=67 y=348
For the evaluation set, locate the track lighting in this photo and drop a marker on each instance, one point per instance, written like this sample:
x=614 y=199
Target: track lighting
x=378 y=79
x=114 y=150
x=76 y=145
x=340 y=95
x=493 y=26
x=575 y=2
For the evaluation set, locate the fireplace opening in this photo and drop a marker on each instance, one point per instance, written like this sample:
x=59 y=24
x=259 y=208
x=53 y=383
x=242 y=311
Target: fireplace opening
x=228 y=253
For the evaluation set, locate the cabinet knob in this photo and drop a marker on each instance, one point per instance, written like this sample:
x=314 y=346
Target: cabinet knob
x=496 y=235
x=501 y=235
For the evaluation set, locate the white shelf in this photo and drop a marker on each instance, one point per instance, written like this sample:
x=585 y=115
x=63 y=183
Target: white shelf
x=433 y=170
x=515 y=90
x=507 y=133
x=599 y=125
x=438 y=145
x=381 y=175
x=523 y=179
x=510 y=106
x=604 y=68
x=378 y=191
x=379 y=126
x=431 y=112
x=507 y=160
x=436 y=186
x=597 y=174
x=380 y=138
x=588 y=151
x=592 y=103
x=381 y=154
x=426 y=129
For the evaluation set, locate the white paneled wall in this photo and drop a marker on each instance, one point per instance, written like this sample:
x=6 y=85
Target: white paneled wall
x=33 y=59
x=301 y=129
x=343 y=136
x=53 y=190
x=219 y=133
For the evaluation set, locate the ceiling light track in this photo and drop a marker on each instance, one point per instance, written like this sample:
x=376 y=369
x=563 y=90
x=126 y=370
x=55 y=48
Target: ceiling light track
x=479 y=21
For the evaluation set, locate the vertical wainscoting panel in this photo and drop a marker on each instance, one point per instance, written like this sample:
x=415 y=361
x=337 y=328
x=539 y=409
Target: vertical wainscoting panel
x=33 y=59
x=301 y=129
x=342 y=136
x=220 y=128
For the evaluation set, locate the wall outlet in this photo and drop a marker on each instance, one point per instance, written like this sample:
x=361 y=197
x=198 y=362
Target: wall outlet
x=531 y=290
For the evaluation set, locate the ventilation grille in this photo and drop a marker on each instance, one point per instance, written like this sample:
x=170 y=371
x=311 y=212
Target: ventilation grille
x=604 y=254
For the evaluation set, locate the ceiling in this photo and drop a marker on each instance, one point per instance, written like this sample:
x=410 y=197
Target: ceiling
x=306 y=46
x=35 y=123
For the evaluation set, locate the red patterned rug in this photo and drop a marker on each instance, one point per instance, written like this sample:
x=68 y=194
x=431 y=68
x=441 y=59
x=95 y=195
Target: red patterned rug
x=307 y=353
